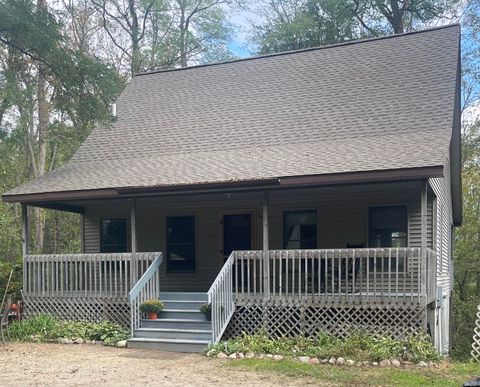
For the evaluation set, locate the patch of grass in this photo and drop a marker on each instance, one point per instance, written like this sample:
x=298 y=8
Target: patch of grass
x=448 y=374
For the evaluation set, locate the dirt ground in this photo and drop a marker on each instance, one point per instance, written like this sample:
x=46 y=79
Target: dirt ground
x=27 y=364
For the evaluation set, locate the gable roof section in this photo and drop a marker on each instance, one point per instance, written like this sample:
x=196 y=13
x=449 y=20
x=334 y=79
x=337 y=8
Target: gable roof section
x=373 y=105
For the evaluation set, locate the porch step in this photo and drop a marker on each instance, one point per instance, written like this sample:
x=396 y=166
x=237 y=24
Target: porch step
x=183 y=314
x=165 y=323
x=180 y=327
x=182 y=296
x=184 y=334
x=170 y=345
x=183 y=304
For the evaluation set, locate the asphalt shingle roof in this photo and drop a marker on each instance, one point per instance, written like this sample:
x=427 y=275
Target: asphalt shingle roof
x=378 y=104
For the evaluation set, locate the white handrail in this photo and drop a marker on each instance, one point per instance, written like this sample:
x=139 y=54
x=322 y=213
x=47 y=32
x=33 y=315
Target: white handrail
x=221 y=299
x=147 y=288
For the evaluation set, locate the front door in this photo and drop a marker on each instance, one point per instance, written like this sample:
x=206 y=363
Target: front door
x=237 y=233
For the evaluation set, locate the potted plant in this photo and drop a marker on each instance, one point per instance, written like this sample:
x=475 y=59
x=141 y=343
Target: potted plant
x=152 y=308
x=206 y=309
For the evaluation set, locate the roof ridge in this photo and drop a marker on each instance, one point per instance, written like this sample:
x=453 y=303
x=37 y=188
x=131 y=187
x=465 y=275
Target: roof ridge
x=334 y=45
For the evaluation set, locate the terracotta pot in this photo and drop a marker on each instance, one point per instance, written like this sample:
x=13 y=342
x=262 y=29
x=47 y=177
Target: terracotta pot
x=152 y=316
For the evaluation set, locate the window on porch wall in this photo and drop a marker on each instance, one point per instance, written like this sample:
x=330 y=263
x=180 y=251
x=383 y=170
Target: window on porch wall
x=387 y=227
x=181 y=254
x=300 y=229
x=113 y=235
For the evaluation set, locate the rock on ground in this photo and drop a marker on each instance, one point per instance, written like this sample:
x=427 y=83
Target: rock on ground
x=395 y=363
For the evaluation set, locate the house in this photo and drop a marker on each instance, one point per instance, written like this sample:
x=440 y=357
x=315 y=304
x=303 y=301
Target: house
x=296 y=192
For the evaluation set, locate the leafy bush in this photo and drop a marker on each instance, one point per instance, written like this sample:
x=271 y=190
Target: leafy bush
x=206 y=309
x=358 y=346
x=40 y=328
x=15 y=283
x=151 y=306
x=48 y=328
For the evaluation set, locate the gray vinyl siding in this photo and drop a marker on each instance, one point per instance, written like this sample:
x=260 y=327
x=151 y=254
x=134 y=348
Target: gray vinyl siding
x=342 y=219
x=444 y=223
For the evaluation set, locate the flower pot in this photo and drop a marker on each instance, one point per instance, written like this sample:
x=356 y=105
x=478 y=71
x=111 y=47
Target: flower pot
x=208 y=315
x=152 y=316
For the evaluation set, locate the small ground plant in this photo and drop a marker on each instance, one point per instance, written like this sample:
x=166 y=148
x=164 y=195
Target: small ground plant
x=48 y=328
x=357 y=346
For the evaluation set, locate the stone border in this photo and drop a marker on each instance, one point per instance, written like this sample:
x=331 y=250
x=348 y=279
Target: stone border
x=339 y=361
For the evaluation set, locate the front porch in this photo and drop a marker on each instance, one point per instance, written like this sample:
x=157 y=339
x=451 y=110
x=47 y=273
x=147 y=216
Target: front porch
x=112 y=286
x=290 y=261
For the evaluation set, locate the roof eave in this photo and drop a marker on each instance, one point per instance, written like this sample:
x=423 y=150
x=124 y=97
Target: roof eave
x=376 y=176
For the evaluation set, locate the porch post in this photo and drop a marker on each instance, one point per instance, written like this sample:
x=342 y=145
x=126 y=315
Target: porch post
x=266 y=260
x=25 y=234
x=424 y=264
x=423 y=214
x=133 y=231
x=82 y=234
x=265 y=221
x=25 y=245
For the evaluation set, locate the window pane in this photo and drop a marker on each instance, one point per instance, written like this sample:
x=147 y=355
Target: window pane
x=300 y=229
x=113 y=236
x=181 y=229
x=181 y=243
x=388 y=226
x=181 y=257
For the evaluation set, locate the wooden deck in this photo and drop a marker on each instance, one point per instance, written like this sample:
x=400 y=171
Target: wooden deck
x=336 y=276
x=97 y=286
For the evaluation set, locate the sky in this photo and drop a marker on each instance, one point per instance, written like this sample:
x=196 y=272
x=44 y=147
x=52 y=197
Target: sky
x=241 y=20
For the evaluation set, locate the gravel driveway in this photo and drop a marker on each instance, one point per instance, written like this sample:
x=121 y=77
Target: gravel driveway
x=27 y=364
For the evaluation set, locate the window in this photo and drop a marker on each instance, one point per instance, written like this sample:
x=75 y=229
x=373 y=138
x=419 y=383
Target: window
x=113 y=236
x=300 y=229
x=181 y=244
x=388 y=227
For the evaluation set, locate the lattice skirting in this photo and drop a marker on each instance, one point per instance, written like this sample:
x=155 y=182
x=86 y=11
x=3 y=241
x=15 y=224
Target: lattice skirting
x=80 y=309
x=291 y=320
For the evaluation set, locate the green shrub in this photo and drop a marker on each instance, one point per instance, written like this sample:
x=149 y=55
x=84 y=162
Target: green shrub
x=48 y=328
x=40 y=328
x=151 y=306
x=357 y=346
x=16 y=281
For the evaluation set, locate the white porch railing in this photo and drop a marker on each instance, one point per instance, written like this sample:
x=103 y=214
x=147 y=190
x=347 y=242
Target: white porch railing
x=84 y=275
x=147 y=288
x=221 y=299
x=335 y=276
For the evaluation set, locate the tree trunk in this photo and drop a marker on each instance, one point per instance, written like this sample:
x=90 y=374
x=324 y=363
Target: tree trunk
x=135 y=36
x=396 y=19
x=183 y=35
x=42 y=132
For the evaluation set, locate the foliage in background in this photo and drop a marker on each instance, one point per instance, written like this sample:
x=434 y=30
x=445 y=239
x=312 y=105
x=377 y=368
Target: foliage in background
x=15 y=282
x=296 y=24
x=48 y=328
x=357 y=346
x=466 y=295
